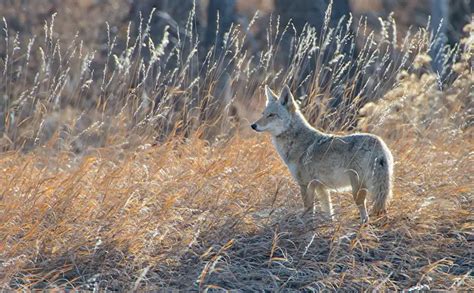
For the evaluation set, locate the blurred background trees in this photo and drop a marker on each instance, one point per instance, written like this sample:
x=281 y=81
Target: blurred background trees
x=95 y=23
x=88 y=17
x=455 y=13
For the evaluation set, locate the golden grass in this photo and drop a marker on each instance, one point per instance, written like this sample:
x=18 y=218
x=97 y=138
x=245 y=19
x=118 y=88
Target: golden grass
x=192 y=216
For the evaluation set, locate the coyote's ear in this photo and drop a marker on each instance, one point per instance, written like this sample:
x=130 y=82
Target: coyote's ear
x=271 y=96
x=287 y=100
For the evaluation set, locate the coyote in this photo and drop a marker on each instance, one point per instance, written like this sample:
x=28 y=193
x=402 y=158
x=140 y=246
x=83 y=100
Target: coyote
x=322 y=162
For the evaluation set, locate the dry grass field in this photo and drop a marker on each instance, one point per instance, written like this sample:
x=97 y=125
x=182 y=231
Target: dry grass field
x=119 y=174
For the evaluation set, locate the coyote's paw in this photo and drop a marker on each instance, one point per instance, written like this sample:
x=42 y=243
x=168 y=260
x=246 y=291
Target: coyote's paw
x=328 y=217
x=307 y=212
x=364 y=220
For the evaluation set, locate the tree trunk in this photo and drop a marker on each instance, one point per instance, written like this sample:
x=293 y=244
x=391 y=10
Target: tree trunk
x=460 y=14
x=439 y=27
x=312 y=12
x=220 y=16
x=167 y=12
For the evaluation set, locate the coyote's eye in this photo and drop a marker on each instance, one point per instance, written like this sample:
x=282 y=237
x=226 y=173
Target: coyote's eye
x=271 y=115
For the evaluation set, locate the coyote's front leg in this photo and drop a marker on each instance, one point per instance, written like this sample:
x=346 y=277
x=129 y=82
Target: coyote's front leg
x=307 y=194
x=324 y=197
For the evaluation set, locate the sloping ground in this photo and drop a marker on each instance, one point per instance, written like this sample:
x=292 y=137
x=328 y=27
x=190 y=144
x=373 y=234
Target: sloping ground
x=192 y=216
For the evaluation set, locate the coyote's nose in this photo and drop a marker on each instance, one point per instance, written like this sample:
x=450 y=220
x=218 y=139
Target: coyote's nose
x=254 y=126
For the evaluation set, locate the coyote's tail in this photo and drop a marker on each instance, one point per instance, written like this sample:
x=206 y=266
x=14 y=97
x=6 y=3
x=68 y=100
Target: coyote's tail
x=382 y=182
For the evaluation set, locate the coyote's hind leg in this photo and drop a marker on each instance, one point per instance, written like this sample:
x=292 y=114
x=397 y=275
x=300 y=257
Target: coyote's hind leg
x=359 y=193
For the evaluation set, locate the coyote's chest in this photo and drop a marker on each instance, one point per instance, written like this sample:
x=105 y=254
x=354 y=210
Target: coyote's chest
x=284 y=152
x=282 y=149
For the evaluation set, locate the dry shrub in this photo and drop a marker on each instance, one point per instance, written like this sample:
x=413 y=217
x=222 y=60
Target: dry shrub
x=419 y=105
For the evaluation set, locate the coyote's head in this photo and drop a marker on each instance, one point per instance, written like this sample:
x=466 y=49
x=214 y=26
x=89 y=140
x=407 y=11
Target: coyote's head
x=278 y=113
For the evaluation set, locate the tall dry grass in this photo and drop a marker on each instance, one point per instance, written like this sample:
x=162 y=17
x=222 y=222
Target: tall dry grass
x=126 y=170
